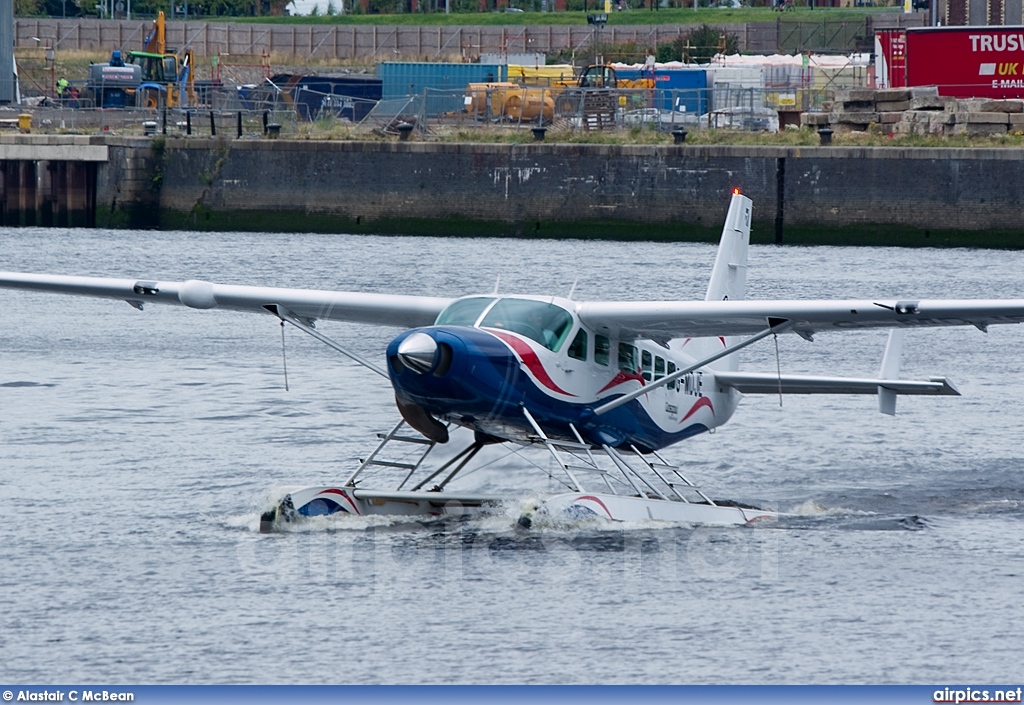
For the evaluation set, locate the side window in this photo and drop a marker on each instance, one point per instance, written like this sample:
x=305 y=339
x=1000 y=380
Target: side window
x=628 y=358
x=602 y=348
x=645 y=356
x=578 y=347
x=659 y=367
x=671 y=369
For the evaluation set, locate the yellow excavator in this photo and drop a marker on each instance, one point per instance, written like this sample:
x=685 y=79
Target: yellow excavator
x=536 y=90
x=168 y=79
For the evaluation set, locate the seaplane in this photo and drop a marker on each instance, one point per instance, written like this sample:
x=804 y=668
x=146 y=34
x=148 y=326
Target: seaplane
x=602 y=387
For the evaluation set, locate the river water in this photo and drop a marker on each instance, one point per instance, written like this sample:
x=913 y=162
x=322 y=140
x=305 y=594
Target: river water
x=137 y=450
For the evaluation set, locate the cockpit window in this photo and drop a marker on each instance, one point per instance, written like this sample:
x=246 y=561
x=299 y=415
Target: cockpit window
x=545 y=323
x=464 y=312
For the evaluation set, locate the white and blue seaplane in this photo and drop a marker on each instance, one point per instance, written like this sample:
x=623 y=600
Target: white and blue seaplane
x=603 y=386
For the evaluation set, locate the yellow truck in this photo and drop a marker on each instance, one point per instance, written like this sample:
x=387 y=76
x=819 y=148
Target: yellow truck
x=536 y=90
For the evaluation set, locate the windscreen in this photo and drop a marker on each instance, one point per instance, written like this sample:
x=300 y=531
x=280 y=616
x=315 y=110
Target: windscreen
x=464 y=312
x=542 y=322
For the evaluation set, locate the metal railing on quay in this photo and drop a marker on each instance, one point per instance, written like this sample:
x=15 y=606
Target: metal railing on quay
x=196 y=122
x=263 y=110
x=577 y=110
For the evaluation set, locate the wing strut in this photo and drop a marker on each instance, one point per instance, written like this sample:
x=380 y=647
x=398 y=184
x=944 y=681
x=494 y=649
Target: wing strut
x=287 y=316
x=775 y=326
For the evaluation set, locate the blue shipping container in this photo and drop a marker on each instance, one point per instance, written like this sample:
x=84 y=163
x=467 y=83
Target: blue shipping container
x=682 y=90
x=350 y=97
x=447 y=81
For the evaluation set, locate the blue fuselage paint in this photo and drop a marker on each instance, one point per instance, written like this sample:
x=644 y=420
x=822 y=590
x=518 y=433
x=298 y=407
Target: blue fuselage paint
x=485 y=388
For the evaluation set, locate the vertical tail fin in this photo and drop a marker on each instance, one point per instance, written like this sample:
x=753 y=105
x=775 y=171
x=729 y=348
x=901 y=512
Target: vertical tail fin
x=729 y=277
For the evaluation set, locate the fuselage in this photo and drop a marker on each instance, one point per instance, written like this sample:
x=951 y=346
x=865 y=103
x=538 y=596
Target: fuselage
x=488 y=358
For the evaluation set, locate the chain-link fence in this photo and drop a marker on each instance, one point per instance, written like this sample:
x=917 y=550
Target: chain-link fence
x=583 y=109
x=265 y=109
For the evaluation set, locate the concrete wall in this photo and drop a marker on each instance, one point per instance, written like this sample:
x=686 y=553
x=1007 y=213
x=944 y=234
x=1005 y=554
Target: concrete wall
x=911 y=196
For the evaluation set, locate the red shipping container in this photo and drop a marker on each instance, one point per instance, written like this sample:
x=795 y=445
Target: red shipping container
x=967 y=62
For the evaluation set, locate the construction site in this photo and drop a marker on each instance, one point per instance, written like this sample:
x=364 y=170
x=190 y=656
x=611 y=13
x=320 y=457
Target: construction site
x=160 y=80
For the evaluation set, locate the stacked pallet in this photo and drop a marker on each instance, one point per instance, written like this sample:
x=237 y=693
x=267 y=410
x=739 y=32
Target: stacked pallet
x=920 y=110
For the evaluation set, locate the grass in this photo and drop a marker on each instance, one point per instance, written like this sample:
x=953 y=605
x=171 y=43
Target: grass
x=712 y=16
x=330 y=129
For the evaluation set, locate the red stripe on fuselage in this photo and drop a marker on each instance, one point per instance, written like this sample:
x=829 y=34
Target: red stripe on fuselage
x=621 y=378
x=702 y=402
x=530 y=359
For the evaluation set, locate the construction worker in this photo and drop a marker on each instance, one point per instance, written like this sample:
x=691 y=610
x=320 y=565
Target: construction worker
x=62 y=87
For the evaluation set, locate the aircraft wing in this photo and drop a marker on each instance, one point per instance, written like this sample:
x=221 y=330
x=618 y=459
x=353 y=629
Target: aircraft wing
x=769 y=383
x=668 y=320
x=381 y=309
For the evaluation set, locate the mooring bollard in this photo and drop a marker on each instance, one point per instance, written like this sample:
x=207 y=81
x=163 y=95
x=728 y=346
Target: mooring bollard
x=679 y=136
x=404 y=131
x=273 y=130
x=825 y=135
x=539 y=133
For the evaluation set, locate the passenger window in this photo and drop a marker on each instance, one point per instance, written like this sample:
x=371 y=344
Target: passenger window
x=659 y=367
x=602 y=348
x=628 y=358
x=671 y=369
x=645 y=355
x=578 y=347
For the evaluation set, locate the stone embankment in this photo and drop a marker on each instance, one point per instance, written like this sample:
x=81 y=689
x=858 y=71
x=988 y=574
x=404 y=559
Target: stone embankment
x=920 y=111
x=807 y=195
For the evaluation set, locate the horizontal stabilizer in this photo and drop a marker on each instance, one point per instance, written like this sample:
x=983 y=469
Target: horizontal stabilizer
x=769 y=383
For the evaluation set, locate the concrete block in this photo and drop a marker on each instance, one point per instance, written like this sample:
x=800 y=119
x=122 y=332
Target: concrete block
x=984 y=129
x=890 y=95
x=848 y=127
x=929 y=102
x=924 y=92
x=1002 y=106
x=983 y=118
x=1016 y=121
x=860 y=118
x=985 y=105
x=942 y=118
x=855 y=95
x=889 y=118
x=889 y=106
x=814 y=119
x=920 y=115
x=853 y=105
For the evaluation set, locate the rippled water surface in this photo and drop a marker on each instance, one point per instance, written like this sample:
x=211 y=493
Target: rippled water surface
x=138 y=448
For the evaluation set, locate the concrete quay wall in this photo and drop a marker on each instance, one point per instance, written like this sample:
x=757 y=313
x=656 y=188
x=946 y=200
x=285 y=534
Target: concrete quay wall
x=830 y=195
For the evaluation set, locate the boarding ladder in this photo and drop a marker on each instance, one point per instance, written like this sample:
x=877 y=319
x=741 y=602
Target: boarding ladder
x=631 y=471
x=410 y=463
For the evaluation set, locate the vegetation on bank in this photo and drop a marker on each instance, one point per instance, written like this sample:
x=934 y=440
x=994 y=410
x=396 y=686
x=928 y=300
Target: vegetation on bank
x=673 y=15
x=464 y=12
x=332 y=129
